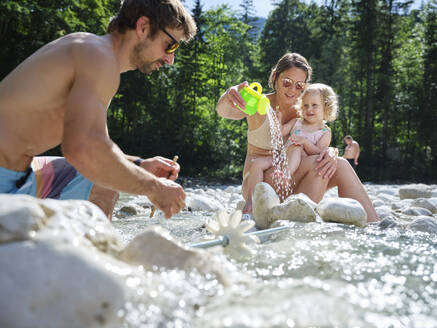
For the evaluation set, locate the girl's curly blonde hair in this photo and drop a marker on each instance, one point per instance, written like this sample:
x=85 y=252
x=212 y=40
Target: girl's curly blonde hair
x=329 y=99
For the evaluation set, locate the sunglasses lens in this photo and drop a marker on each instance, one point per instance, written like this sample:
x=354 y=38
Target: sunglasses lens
x=300 y=85
x=172 y=48
x=286 y=83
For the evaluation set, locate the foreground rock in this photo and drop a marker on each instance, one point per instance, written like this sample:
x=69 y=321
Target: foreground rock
x=60 y=264
x=163 y=243
x=342 y=210
x=48 y=284
x=267 y=208
x=415 y=191
x=295 y=208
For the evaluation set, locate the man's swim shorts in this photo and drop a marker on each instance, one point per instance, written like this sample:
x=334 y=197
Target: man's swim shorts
x=352 y=163
x=47 y=177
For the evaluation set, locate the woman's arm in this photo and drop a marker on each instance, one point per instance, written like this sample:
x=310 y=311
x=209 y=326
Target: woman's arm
x=287 y=127
x=228 y=102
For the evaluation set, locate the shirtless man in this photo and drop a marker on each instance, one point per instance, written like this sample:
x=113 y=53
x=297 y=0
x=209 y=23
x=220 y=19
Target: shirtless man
x=60 y=95
x=352 y=151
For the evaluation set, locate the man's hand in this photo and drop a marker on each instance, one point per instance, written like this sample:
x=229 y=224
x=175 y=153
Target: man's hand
x=327 y=162
x=161 y=167
x=169 y=197
x=356 y=162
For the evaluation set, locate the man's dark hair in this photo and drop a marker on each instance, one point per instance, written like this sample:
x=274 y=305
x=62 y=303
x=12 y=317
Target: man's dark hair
x=161 y=13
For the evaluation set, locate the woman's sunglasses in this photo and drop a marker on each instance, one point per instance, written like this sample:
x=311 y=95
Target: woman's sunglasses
x=289 y=83
x=172 y=46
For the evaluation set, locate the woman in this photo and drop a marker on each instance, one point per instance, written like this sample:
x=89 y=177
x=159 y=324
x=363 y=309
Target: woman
x=316 y=173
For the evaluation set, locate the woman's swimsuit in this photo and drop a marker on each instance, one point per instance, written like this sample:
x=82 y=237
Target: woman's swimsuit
x=261 y=137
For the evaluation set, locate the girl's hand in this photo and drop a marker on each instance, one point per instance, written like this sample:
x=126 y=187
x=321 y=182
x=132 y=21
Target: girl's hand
x=327 y=162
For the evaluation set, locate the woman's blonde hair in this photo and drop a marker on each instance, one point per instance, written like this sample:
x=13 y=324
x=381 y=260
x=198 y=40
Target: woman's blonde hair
x=329 y=99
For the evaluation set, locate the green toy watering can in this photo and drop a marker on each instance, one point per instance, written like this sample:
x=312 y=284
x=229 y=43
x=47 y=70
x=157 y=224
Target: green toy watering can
x=255 y=101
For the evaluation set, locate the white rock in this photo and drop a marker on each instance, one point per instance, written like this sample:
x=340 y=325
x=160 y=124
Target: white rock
x=415 y=191
x=264 y=199
x=388 y=222
x=238 y=189
x=401 y=204
x=240 y=205
x=424 y=224
x=433 y=201
x=57 y=277
x=17 y=221
x=235 y=198
x=377 y=203
x=416 y=211
x=342 y=210
x=48 y=284
x=425 y=203
x=388 y=198
x=295 y=208
x=130 y=209
x=387 y=191
x=203 y=203
x=164 y=251
x=384 y=211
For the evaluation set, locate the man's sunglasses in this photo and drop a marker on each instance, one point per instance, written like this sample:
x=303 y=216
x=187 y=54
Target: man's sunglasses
x=289 y=83
x=172 y=46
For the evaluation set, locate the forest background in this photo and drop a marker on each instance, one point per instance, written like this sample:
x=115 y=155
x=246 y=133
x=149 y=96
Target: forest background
x=378 y=55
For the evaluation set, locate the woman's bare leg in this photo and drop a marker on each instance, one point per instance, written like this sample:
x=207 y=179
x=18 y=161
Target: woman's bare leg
x=305 y=180
x=308 y=181
x=104 y=198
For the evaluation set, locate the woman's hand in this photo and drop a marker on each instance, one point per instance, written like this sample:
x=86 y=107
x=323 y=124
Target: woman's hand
x=161 y=167
x=327 y=162
x=232 y=96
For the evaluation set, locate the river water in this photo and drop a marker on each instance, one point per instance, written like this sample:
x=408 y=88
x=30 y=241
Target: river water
x=312 y=275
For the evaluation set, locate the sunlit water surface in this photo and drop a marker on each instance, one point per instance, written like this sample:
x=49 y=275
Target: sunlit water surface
x=312 y=275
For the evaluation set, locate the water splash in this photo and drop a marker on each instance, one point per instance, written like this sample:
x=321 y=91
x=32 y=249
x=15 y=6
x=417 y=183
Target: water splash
x=281 y=179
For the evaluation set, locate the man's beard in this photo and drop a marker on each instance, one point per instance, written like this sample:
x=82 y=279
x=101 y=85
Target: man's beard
x=137 y=61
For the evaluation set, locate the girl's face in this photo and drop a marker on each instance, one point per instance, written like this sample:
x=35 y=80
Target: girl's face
x=313 y=108
x=290 y=84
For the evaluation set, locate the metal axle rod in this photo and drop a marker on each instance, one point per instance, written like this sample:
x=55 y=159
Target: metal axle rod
x=225 y=240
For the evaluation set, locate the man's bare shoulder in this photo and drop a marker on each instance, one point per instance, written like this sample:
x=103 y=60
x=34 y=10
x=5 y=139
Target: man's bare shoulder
x=94 y=58
x=92 y=50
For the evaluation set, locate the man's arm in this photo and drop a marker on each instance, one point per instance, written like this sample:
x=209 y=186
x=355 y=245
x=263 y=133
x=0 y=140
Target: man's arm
x=86 y=143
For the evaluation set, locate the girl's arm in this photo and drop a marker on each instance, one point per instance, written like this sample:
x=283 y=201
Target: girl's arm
x=321 y=145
